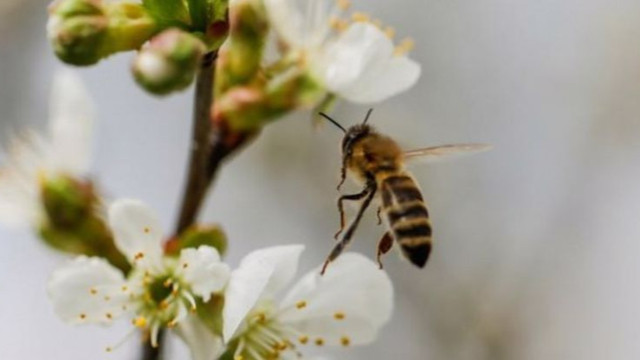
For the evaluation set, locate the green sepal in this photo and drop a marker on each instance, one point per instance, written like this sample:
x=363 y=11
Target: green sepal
x=197 y=236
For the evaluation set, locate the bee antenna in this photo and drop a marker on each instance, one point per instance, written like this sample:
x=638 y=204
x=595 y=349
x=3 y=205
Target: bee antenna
x=366 y=118
x=332 y=121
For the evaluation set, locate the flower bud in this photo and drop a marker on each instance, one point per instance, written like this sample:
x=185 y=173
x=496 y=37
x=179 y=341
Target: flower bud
x=241 y=56
x=169 y=62
x=77 y=29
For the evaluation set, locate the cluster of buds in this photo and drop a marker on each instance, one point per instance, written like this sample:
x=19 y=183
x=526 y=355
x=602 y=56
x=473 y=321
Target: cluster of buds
x=82 y=32
x=172 y=36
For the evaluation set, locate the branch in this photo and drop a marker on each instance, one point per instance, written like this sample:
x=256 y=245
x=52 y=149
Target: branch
x=197 y=181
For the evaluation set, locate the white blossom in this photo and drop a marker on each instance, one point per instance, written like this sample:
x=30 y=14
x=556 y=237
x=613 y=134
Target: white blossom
x=347 y=306
x=32 y=158
x=160 y=291
x=357 y=62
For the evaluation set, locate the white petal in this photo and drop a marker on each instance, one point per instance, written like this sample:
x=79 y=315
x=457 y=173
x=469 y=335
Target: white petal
x=88 y=290
x=71 y=123
x=203 y=270
x=261 y=274
x=353 y=289
x=136 y=232
x=287 y=21
x=360 y=66
x=398 y=74
x=26 y=162
x=360 y=47
x=203 y=344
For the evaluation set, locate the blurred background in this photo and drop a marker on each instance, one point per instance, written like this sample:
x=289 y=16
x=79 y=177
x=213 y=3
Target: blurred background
x=536 y=242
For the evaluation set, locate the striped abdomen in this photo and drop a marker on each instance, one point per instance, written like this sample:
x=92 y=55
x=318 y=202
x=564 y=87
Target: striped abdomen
x=408 y=217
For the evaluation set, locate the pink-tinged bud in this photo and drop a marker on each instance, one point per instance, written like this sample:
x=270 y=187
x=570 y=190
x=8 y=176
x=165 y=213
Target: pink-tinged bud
x=169 y=62
x=77 y=29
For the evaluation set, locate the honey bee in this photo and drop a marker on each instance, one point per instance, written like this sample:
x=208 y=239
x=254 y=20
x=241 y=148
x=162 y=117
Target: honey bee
x=377 y=162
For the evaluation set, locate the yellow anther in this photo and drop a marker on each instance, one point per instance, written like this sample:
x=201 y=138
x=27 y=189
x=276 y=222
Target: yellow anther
x=238 y=357
x=167 y=282
x=343 y=4
x=339 y=316
x=261 y=318
x=107 y=298
x=404 y=47
x=171 y=324
x=338 y=24
x=147 y=230
x=108 y=349
x=301 y=304
x=280 y=346
x=139 y=322
x=319 y=341
x=390 y=32
x=185 y=265
x=138 y=256
x=108 y=316
x=163 y=304
x=83 y=316
x=360 y=17
x=124 y=288
x=345 y=341
x=93 y=291
x=303 y=339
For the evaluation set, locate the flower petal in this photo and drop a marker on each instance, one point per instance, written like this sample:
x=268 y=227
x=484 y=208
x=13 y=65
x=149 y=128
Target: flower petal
x=202 y=269
x=71 y=123
x=261 y=274
x=398 y=74
x=203 y=344
x=286 y=20
x=361 y=67
x=88 y=290
x=136 y=232
x=348 y=304
x=360 y=47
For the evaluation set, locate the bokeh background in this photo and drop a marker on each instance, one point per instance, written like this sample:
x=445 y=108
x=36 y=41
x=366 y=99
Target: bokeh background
x=537 y=243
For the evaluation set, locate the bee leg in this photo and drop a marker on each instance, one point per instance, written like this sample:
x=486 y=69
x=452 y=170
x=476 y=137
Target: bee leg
x=378 y=214
x=370 y=192
x=343 y=174
x=352 y=197
x=384 y=245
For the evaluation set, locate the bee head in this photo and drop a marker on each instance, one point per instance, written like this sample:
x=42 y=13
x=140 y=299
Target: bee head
x=353 y=134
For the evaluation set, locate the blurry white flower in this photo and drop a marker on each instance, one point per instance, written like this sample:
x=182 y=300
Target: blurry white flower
x=32 y=158
x=358 y=63
x=159 y=292
x=347 y=306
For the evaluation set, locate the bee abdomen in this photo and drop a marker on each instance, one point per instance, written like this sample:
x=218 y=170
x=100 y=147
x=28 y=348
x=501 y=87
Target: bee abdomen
x=408 y=217
x=414 y=237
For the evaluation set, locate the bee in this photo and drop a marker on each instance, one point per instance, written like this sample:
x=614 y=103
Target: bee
x=377 y=162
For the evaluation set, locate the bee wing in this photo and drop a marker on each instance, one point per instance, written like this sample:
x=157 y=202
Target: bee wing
x=443 y=152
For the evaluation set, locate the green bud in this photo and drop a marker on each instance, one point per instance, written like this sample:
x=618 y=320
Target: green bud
x=82 y=32
x=240 y=59
x=197 y=236
x=169 y=62
x=77 y=29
